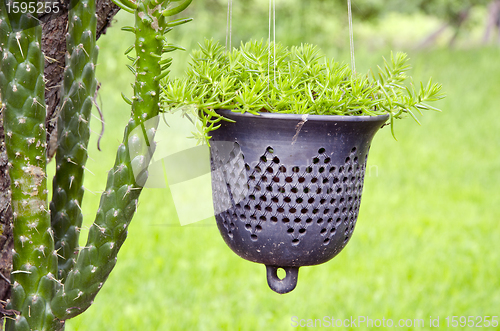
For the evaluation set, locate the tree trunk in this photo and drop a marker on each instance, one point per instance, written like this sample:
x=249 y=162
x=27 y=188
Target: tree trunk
x=54 y=48
x=493 y=22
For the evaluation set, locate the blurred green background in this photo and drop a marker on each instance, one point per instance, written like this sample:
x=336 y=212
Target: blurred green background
x=427 y=242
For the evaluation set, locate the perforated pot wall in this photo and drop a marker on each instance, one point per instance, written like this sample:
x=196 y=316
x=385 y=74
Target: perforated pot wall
x=287 y=188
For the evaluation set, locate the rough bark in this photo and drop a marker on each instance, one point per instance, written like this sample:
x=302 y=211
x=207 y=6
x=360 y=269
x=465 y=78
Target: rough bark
x=54 y=48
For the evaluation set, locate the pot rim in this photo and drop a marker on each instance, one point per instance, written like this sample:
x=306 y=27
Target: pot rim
x=310 y=117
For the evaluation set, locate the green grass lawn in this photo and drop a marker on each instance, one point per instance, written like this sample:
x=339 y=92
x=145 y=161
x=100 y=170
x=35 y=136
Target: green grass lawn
x=427 y=242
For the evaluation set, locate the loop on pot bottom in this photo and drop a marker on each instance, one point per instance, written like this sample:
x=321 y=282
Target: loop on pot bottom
x=284 y=285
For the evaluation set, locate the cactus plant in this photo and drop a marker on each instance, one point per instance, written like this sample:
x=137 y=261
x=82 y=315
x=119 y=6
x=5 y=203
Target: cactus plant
x=52 y=280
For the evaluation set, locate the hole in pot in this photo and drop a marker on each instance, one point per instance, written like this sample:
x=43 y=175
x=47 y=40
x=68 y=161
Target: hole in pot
x=275 y=199
x=280 y=210
x=287 y=199
x=327 y=160
x=341 y=169
x=247 y=207
x=311 y=200
x=263 y=219
x=323 y=231
x=270 y=170
x=353 y=150
x=252 y=197
x=304 y=210
x=326 y=211
x=281 y=189
x=326 y=241
x=332 y=201
x=263 y=158
x=325 y=180
x=332 y=169
x=288 y=179
x=253 y=217
x=286 y=220
x=302 y=230
x=295 y=169
x=306 y=190
x=282 y=168
x=253 y=237
x=320 y=220
x=297 y=220
x=315 y=160
x=290 y=230
x=341 y=200
x=276 y=179
x=247 y=167
x=335 y=180
x=252 y=177
x=314 y=180
x=276 y=160
x=257 y=187
x=243 y=217
x=330 y=220
x=321 y=150
x=315 y=211
x=347 y=159
x=270 y=149
x=333 y=230
x=295 y=242
x=309 y=170
x=318 y=190
x=321 y=170
x=339 y=190
x=258 y=228
x=299 y=200
x=309 y=220
x=274 y=219
x=338 y=221
x=263 y=198
x=294 y=190
x=258 y=207
x=248 y=226
x=258 y=169
x=269 y=209
x=302 y=179
x=292 y=210
x=269 y=188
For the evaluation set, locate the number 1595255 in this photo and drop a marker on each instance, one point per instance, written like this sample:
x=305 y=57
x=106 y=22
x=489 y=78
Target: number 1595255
x=14 y=7
x=472 y=321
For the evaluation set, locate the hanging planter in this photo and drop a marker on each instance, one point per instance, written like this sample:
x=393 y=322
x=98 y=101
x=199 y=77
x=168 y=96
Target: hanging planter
x=287 y=187
x=293 y=184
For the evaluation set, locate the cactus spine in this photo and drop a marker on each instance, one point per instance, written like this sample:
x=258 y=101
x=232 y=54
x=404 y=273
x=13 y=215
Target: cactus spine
x=47 y=291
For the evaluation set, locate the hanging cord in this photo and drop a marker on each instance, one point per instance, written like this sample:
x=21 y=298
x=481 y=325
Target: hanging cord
x=272 y=23
x=274 y=39
x=229 y=24
x=351 y=36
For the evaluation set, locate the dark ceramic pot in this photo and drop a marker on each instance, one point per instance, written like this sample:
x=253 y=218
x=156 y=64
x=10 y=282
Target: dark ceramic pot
x=287 y=188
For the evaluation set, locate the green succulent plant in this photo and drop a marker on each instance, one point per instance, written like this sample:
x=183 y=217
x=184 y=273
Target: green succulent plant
x=267 y=77
x=52 y=278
